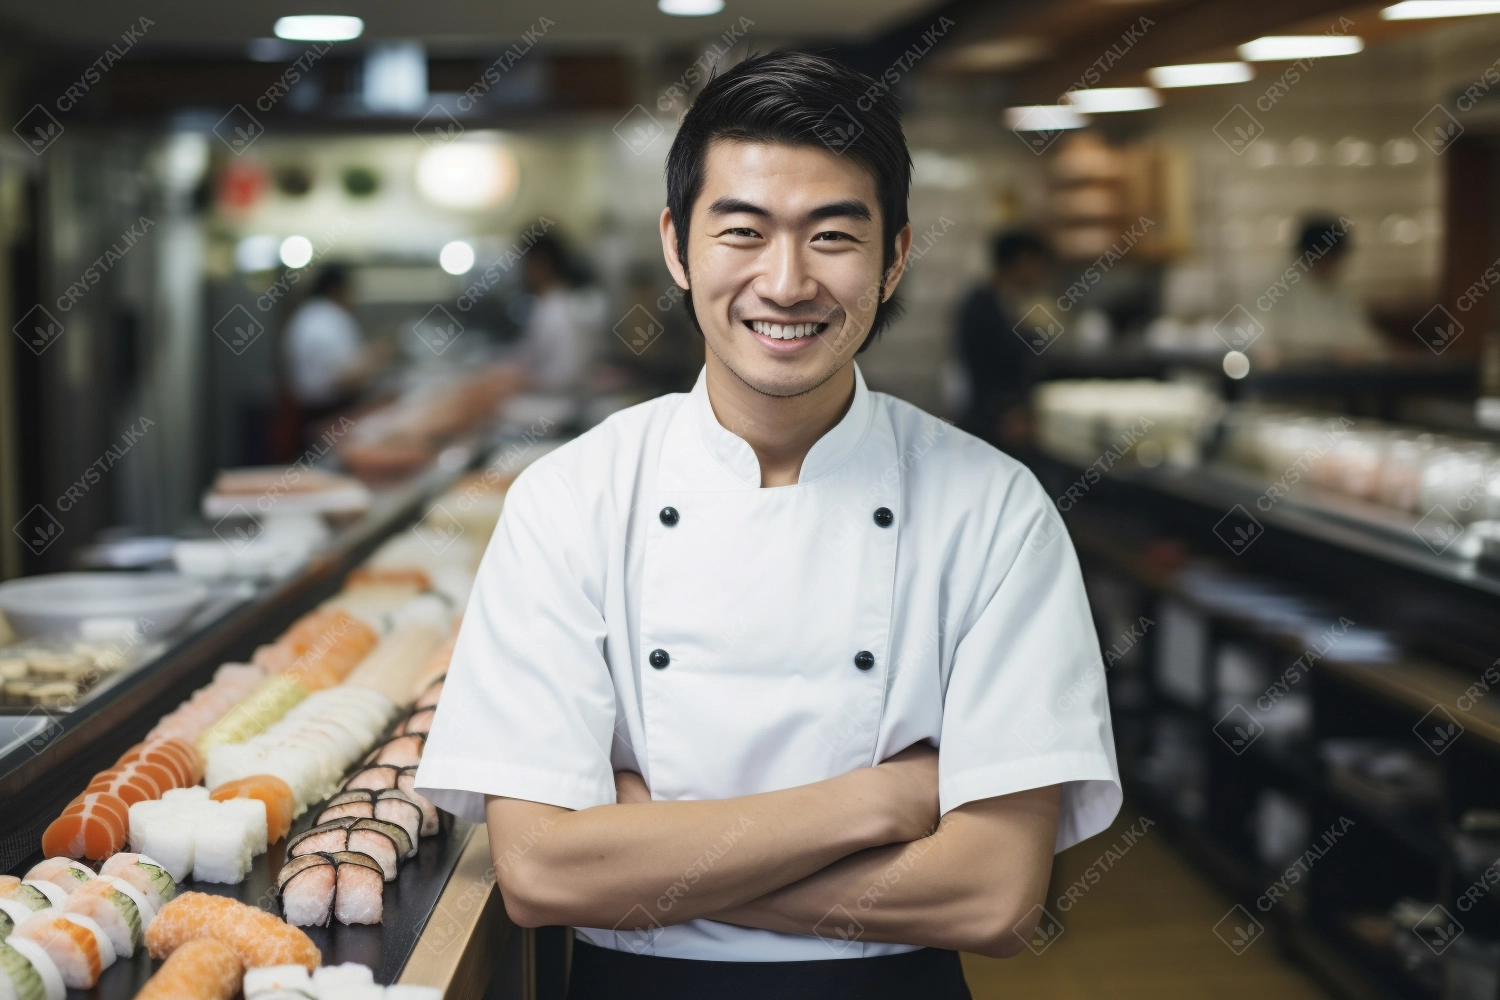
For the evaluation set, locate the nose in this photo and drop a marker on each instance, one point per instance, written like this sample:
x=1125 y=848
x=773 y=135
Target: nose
x=785 y=280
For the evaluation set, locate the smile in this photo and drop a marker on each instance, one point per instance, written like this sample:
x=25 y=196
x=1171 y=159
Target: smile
x=784 y=331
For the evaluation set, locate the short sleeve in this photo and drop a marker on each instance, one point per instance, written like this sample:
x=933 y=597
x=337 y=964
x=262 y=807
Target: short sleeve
x=1026 y=705
x=528 y=708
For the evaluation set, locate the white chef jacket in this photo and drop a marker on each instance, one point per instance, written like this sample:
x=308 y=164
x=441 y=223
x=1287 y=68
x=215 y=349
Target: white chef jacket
x=322 y=346
x=970 y=604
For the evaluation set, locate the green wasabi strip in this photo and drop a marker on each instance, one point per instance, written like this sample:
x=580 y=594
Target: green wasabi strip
x=127 y=909
x=165 y=887
x=26 y=980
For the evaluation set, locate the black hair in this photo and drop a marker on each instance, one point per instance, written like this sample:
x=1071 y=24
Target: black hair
x=799 y=99
x=1011 y=246
x=555 y=251
x=333 y=278
x=1322 y=236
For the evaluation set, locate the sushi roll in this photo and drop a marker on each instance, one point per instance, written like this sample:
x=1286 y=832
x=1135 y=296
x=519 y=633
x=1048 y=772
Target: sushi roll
x=52 y=894
x=14 y=891
x=64 y=873
x=10 y=915
x=334 y=980
x=385 y=842
x=205 y=969
x=287 y=978
x=402 y=751
x=360 y=896
x=342 y=885
x=419 y=721
x=358 y=803
x=31 y=974
x=142 y=904
x=376 y=777
x=393 y=806
x=150 y=878
x=77 y=946
x=117 y=914
x=429 y=698
x=307 y=885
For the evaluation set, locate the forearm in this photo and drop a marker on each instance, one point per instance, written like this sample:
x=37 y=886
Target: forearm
x=972 y=885
x=639 y=862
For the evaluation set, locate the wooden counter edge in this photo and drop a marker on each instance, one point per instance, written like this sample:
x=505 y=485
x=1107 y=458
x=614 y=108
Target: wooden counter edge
x=464 y=938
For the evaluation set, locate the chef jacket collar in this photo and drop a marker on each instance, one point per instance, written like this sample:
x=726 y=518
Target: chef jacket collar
x=735 y=455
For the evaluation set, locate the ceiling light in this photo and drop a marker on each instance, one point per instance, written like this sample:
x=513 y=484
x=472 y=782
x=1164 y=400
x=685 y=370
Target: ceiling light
x=319 y=27
x=1043 y=118
x=468 y=174
x=1200 y=74
x=1412 y=10
x=1275 y=48
x=256 y=253
x=1100 y=100
x=296 y=251
x=690 y=8
x=456 y=257
x=1236 y=365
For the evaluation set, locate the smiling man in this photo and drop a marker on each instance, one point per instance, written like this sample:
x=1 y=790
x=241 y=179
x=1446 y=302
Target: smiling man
x=780 y=687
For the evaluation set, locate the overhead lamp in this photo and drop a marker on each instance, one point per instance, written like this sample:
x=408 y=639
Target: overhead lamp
x=690 y=8
x=1278 y=48
x=1200 y=74
x=256 y=253
x=1236 y=365
x=1043 y=118
x=1103 y=100
x=1415 y=10
x=296 y=251
x=319 y=27
x=456 y=257
x=467 y=174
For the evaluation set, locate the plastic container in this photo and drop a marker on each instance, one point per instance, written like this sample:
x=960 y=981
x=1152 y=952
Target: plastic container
x=67 y=602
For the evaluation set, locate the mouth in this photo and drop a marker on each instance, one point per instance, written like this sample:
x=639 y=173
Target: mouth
x=784 y=331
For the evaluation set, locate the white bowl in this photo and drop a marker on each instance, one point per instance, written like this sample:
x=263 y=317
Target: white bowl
x=63 y=602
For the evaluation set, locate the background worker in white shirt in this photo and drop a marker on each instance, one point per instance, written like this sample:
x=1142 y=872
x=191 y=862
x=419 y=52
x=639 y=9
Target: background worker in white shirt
x=714 y=641
x=562 y=330
x=327 y=360
x=1317 y=319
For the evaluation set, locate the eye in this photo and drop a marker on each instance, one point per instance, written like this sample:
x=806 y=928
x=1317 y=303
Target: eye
x=832 y=236
x=742 y=232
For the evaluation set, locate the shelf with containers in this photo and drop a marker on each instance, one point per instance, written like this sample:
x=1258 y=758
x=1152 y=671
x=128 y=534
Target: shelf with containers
x=1309 y=712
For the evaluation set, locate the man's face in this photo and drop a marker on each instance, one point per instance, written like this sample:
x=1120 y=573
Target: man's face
x=784 y=262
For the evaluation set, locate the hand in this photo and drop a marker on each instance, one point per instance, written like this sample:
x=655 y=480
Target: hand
x=911 y=787
x=630 y=787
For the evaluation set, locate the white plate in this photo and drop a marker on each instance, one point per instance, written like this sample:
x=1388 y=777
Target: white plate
x=62 y=602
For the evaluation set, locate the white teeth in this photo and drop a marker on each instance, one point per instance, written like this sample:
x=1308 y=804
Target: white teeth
x=783 y=331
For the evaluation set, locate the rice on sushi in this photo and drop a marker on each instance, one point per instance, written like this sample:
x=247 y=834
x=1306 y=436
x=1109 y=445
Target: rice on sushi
x=117 y=914
x=76 y=945
x=64 y=873
x=151 y=879
x=386 y=843
x=276 y=977
x=14 y=890
x=343 y=885
x=31 y=973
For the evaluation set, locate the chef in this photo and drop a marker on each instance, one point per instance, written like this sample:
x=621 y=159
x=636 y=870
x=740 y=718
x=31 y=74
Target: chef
x=779 y=687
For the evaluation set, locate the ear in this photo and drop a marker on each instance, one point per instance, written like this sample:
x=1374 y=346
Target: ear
x=898 y=266
x=677 y=266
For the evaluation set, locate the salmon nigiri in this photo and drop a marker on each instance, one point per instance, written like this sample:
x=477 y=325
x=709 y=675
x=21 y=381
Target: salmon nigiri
x=273 y=791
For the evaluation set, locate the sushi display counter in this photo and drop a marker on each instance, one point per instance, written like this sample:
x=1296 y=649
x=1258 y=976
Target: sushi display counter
x=360 y=638
x=49 y=756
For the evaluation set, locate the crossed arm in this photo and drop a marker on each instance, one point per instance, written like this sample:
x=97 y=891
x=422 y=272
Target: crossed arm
x=862 y=854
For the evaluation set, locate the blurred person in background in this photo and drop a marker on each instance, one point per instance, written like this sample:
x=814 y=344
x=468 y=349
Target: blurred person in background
x=997 y=365
x=561 y=334
x=327 y=360
x=1309 y=316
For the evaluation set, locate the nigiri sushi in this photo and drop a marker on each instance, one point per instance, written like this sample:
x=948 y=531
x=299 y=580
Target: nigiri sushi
x=92 y=827
x=275 y=793
x=258 y=937
x=64 y=873
x=419 y=721
x=393 y=806
x=402 y=751
x=342 y=885
x=149 y=878
x=116 y=914
x=406 y=781
x=385 y=842
x=32 y=975
x=77 y=946
x=205 y=969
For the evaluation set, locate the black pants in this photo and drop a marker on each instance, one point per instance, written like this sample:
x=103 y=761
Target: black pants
x=606 y=974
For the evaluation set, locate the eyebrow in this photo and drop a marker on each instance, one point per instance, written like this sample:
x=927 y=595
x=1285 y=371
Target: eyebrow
x=850 y=208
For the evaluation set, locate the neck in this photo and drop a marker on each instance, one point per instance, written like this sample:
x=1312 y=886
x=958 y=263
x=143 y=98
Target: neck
x=781 y=430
